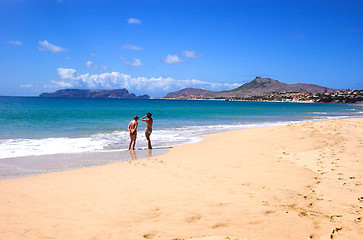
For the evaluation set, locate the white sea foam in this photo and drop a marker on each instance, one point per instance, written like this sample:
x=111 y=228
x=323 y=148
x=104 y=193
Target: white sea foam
x=117 y=140
x=28 y=147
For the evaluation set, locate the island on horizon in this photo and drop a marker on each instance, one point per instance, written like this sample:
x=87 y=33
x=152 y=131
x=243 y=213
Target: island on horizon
x=93 y=93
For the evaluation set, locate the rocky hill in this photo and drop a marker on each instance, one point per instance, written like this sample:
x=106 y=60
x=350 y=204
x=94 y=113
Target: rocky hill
x=188 y=92
x=97 y=93
x=257 y=87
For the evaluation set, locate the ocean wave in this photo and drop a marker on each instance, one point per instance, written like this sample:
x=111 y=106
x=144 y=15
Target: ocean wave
x=32 y=147
x=117 y=140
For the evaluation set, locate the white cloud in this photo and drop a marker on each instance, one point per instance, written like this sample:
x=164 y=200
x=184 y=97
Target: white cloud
x=135 y=62
x=26 y=86
x=71 y=77
x=132 y=47
x=133 y=21
x=155 y=86
x=191 y=54
x=66 y=73
x=15 y=42
x=90 y=65
x=45 y=45
x=63 y=84
x=172 y=59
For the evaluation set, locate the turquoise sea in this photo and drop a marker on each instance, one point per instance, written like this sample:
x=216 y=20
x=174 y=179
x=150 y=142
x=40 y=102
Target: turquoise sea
x=40 y=126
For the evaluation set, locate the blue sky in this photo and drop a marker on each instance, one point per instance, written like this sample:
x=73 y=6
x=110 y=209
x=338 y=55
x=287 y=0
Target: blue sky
x=156 y=47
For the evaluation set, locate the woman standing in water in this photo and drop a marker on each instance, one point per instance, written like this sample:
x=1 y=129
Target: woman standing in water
x=149 y=127
x=133 y=132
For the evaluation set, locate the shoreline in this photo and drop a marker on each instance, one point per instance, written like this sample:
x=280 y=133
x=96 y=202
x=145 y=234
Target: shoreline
x=23 y=166
x=296 y=181
x=115 y=146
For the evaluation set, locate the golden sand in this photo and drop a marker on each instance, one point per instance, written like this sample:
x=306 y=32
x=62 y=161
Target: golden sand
x=299 y=181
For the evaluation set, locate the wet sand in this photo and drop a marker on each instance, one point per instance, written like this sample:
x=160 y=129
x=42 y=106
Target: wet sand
x=299 y=181
x=33 y=165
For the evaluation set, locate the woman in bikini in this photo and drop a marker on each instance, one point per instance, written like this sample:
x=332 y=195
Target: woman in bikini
x=149 y=127
x=133 y=132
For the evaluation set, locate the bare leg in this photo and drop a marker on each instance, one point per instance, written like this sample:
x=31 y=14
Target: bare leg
x=130 y=144
x=147 y=135
x=132 y=141
x=135 y=135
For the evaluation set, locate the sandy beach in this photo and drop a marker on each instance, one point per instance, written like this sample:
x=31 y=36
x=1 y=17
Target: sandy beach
x=298 y=181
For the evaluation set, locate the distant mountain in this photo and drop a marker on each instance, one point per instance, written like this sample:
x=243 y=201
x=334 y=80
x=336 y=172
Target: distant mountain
x=260 y=86
x=257 y=87
x=188 y=92
x=97 y=93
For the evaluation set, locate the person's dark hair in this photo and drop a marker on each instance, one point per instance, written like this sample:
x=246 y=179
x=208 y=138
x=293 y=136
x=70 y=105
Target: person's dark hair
x=136 y=117
x=148 y=115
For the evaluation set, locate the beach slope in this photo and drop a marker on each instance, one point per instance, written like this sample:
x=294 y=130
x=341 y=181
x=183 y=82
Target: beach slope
x=299 y=181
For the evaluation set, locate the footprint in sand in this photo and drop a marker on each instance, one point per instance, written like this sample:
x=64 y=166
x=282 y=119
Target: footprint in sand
x=211 y=238
x=219 y=225
x=269 y=212
x=193 y=219
x=222 y=204
x=149 y=235
x=303 y=214
x=335 y=231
